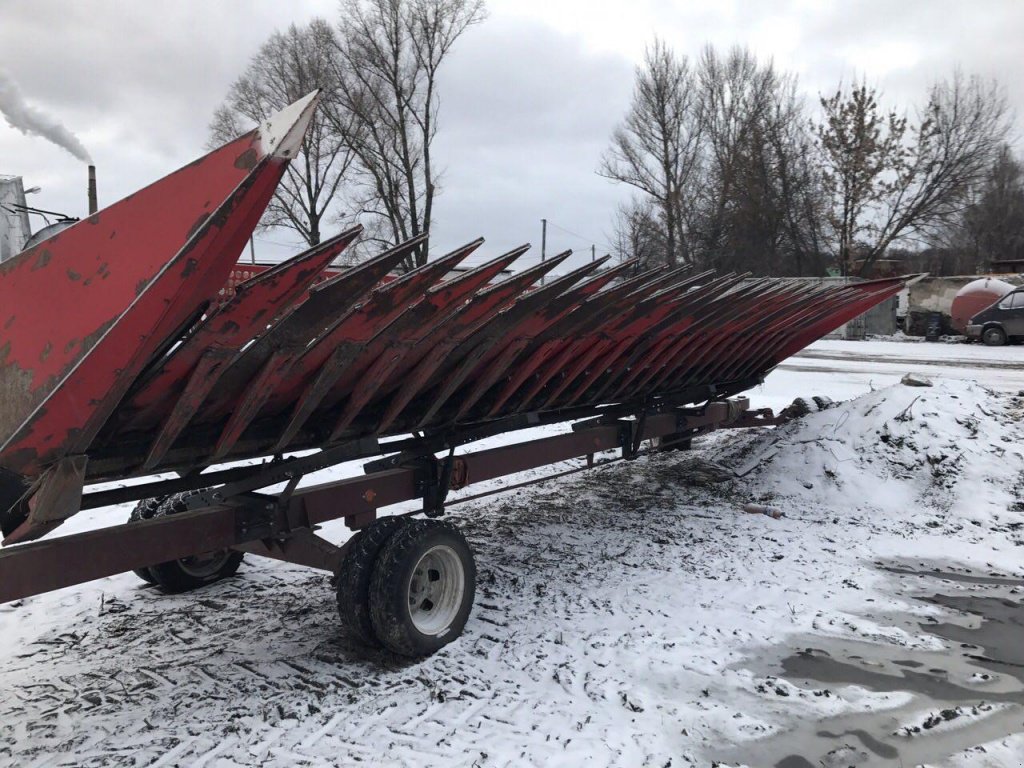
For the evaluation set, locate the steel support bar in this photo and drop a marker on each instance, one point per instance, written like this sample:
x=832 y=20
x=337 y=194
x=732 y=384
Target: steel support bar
x=261 y=526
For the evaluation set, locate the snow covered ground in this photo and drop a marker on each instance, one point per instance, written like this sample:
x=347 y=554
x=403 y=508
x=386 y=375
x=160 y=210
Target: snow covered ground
x=623 y=617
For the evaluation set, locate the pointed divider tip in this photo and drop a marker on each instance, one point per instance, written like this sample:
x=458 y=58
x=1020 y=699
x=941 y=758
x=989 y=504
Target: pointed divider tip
x=530 y=274
x=281 y=134
x=486 y=271
x=443 y=264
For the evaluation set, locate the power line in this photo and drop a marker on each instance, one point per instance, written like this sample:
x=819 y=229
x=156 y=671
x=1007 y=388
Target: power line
x=583 y=238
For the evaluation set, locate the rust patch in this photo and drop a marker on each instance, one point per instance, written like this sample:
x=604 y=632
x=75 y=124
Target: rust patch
x=140 y=286
x=70 y=345
x=10 y=322
x=203 y=217
x=247 y=160
x=46 y=352
x=42 y=259
x=15 y=394
x=191 y=265
x=74 y=276
x=19 y=458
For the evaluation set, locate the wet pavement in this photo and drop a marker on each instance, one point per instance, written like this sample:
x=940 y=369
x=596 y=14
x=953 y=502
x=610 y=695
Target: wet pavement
x=969 y=693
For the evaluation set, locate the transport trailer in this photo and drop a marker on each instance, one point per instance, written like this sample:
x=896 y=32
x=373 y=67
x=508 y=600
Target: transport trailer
x=130 y=350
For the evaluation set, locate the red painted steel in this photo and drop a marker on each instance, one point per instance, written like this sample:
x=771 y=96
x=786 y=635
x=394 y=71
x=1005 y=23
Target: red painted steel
x=163 y=361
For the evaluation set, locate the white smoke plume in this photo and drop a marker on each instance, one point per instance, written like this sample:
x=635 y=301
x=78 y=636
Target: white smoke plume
x=30 y=120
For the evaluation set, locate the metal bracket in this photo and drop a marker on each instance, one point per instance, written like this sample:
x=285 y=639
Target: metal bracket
x=628 y=442
x=433 y=481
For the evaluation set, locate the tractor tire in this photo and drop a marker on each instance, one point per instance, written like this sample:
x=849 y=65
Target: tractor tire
x=354 y=575
x=195 y=571
x=993 y=336
x=144 y=510
x=422 y=590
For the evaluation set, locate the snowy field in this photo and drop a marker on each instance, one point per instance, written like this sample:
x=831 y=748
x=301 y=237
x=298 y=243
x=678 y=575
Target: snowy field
x=623 y=617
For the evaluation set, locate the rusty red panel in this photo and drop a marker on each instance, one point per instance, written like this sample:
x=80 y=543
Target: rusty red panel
x=651 y=349
x=152 y=369
x=578 y=348
x=436 y=350
x=644 y=318
x=496 y=361
x=688 y=336
x=386 y=353
x=126 y=277
x=488 y=352
x=288 y=338
x=318 y=370
x=265 y=365
x=551 y=342
x=254 y=305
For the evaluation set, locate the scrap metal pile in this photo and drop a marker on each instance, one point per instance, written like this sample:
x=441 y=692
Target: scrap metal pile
x=119 y=355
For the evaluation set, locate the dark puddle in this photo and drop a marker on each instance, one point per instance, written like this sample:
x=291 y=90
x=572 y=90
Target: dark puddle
x=970 y=693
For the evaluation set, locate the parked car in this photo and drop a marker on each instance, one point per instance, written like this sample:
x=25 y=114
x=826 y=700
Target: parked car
x=1000 y=323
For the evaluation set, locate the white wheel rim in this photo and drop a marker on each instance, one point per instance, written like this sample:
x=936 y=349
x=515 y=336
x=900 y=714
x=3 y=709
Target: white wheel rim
x=437 y=587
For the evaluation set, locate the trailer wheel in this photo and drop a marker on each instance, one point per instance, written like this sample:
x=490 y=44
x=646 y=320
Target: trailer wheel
x=143 y=511
x=196 y=570
x=422 y=589
x=355 y=574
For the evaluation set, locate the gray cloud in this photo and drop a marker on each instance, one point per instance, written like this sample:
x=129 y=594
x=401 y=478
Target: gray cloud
x=530 y=97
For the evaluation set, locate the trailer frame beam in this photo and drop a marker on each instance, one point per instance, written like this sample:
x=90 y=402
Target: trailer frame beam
x=281 y=526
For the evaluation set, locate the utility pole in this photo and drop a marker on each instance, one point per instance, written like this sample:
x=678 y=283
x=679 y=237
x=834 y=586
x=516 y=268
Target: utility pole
x=593 y=252
x=543 y=238
x=543 y=242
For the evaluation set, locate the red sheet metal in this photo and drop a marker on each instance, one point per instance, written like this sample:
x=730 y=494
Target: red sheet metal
x=318 y=370
x=436 y=350
x=152 y=369
x=496 y=361
x=387 y=352
x=195 y=365
x=485 y=356
x=263 y=366
x=61 y=369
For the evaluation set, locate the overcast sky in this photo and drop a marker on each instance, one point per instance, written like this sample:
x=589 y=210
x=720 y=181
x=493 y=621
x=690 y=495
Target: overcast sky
x=530 y=97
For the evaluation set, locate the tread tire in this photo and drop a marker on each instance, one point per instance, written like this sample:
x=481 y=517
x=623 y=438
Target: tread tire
x=144 y=510
x=170 y=576
x=354 y=575
x=389 y=590
x=994 y=336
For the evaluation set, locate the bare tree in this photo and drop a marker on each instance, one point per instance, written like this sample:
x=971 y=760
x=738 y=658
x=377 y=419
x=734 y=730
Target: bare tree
x=758 y=198
x=657 y=148
x=720 y=153
x=735 y=100
x=889 y=181
x=995 y=220
x=638 y=234
x=991 y=227
x=288 y=66
x=389 y=53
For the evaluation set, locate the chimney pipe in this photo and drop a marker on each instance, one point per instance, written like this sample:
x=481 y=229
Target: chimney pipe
x=93 y=205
